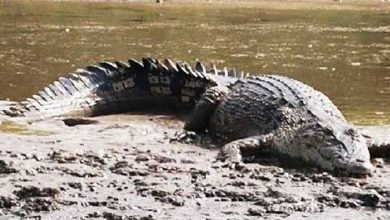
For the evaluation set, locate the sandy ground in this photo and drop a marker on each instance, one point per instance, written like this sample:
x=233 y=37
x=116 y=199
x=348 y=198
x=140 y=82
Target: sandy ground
x=127 y=167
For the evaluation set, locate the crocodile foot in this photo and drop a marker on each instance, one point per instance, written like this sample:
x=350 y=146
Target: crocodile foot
x=191 y=137
x=245 y=149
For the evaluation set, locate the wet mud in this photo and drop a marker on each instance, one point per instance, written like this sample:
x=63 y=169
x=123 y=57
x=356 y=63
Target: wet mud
x=128 y=167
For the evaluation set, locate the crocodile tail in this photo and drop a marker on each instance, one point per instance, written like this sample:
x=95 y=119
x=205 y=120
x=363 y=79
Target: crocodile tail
x=114 y=87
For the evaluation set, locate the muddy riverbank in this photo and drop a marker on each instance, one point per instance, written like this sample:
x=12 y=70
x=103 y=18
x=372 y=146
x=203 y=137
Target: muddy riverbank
x=126 y=167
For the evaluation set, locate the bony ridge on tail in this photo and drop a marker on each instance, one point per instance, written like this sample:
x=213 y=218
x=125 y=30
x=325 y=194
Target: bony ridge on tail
x=249 y=114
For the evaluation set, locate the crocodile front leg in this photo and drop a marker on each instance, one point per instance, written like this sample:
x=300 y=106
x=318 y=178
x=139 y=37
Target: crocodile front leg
x=233 y=151
x=205 y=108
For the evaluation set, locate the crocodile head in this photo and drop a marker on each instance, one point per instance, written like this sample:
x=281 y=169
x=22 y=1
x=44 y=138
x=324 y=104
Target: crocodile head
x=336 y=147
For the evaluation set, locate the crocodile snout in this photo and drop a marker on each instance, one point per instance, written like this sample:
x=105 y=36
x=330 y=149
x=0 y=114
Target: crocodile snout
x=359 y=166
x=359 y=160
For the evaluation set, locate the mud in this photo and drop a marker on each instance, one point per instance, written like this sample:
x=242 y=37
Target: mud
x=128 y=167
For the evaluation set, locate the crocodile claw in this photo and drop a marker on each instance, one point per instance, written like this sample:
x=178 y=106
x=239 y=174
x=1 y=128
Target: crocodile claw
x=191 y=137
x=184 y=136
x=230 y=153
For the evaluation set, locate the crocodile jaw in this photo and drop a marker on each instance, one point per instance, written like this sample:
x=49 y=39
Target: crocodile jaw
x=359 y=160
x=353 y=158
x=334 y=147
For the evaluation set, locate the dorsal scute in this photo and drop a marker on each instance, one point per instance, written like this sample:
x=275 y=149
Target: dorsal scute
x=298 y=95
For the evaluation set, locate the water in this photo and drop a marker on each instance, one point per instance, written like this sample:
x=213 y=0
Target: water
x=345 y=54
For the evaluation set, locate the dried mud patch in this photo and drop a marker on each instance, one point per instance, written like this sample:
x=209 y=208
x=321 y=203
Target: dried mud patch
x=126 y=167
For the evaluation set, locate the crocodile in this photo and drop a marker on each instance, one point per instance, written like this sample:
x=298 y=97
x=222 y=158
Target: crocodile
x=249 y=115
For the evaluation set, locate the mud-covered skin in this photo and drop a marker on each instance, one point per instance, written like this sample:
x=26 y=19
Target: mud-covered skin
x=284 y=116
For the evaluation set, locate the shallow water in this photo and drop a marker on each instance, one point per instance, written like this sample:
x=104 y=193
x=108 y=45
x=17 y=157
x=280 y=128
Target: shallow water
x=345 y=54
x=22 y=129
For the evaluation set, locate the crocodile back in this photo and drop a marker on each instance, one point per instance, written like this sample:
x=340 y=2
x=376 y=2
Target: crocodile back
x=259 y=105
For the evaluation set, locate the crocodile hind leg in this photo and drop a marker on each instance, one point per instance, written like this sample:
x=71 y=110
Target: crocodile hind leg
x=205 y=108
x=200 y=116
x=233 y=151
